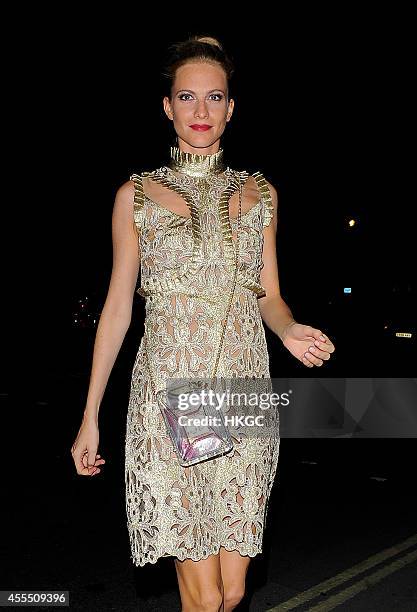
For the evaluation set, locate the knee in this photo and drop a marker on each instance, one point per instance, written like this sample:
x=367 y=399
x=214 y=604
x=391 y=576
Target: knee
x=232 y=597
x=209 y=601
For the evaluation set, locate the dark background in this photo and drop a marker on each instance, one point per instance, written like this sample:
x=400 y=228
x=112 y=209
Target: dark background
x=322 y=108
x=322 y=111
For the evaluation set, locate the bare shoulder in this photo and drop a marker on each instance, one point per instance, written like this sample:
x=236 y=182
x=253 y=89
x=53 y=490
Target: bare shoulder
x=124 y=198
x=126 y=191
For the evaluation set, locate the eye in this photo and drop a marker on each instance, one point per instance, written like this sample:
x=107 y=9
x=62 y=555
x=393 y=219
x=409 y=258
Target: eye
x=219 y=96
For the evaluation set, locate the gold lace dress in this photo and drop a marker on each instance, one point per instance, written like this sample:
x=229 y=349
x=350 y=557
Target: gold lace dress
x=187 y=266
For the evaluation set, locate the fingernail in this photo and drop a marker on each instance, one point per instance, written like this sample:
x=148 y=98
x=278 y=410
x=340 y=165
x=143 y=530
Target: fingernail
x=322 y=338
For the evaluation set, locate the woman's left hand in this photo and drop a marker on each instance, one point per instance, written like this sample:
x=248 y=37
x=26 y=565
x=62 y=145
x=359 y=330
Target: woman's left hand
x=307 y=344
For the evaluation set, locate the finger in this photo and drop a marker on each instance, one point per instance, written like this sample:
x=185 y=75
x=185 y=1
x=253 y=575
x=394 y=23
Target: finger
x=317 y=334
x=92 y=468
x=99 y=461
x=77 y=455
x=89 y=467
x=314 y=360
x=79 y=465
x=80 y=460
x=329 y=346
x=324 y=340
x=324 y=346
x=319 y=353
x=91 y=457
x=81 y=470
x=306 y=362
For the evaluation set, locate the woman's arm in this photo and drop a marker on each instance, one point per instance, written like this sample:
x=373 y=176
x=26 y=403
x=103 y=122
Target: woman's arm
x=117 y=311
x=274 y=311
x=306 y=343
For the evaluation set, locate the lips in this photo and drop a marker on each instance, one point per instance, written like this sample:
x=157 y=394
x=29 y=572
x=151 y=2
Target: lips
x=200 y=127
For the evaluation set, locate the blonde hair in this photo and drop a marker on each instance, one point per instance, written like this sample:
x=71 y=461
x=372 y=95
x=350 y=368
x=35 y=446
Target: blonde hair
x=209 y=40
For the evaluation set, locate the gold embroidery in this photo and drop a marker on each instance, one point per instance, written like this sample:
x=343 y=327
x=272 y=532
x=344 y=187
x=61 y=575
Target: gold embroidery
x=266 y=195
x=196 y=165
x=177 y=281
x=186 y=270
x=138 y=199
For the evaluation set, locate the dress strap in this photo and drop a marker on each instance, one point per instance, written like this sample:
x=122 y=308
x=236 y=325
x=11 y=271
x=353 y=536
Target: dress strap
x=266 y=197
x=139 y=198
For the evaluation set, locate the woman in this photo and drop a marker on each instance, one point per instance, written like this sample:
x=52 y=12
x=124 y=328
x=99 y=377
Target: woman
x=181 y=222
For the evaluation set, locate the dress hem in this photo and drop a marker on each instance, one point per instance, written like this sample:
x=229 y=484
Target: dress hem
x=216 y=549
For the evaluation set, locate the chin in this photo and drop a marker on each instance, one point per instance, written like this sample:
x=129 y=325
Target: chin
x=203 y=140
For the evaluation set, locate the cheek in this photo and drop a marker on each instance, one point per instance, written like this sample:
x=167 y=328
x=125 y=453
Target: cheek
x=180 y=110
x=222 y=121
x=183 y=113
x=219 y=114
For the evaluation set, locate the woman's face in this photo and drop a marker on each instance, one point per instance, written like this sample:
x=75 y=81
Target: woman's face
x=199 y=97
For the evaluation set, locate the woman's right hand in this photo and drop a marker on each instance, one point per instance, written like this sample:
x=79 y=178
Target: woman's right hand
x=84 y=449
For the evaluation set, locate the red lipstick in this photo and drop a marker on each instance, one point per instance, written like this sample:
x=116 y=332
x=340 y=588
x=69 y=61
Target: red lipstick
x=200 y=127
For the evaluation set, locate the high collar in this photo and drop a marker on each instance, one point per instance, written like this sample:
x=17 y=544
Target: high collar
x=196 y=165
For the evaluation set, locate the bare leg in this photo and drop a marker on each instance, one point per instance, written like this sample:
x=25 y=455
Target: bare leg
x=200 y=584
x=234 y=568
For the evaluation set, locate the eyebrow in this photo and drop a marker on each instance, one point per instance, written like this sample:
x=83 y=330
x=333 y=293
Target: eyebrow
x=193 y=92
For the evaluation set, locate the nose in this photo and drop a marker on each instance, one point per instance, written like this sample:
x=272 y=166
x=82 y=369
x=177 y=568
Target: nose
x=201 y=110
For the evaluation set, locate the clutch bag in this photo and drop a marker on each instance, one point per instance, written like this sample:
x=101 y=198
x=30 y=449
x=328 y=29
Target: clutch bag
x=194 y=421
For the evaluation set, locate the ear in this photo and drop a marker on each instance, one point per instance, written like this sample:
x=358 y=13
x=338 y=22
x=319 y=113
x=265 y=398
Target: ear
x=167 y=108
x=230 y=109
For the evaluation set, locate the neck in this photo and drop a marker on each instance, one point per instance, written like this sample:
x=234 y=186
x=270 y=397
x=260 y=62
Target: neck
x=195 y=164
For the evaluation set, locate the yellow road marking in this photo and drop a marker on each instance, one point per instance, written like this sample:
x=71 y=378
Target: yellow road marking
x=346 y=575
x=365 y=583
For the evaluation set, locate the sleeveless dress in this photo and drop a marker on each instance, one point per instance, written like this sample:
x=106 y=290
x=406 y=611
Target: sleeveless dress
x=187 y=267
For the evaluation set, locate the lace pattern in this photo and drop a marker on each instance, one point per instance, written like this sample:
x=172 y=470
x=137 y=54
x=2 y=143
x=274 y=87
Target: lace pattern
x=190 y=512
